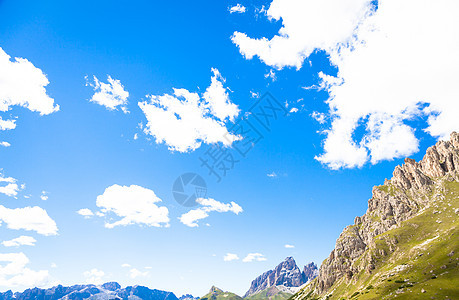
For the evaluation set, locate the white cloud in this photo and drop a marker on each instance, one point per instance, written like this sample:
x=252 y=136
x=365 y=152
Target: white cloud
x=272 y=174
x=319 y=117
x=294 y=110
x=14 y=273
x=230 y=257
x=289 y=246
x=94 y=276
x=208 y=205
x=272 y=75
x=134 y=273
x=134 y=205
x=10 y=187
x=23 y=240
x=394 y=65
x=254 y=257
x=111 y=95
x=125 y=265
x=44 y=195
x=184 y=120
x=22 y=84
x=5 y=144
x=53 y=265
x=7 y=124
x=254 y=95
x=306 y=26
x=85 y=212
x=237 y=9
x=28 y=218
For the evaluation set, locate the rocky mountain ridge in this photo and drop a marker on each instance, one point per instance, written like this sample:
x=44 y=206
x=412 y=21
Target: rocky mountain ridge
x=109 y=290
x=287 y=276
x=414 y=188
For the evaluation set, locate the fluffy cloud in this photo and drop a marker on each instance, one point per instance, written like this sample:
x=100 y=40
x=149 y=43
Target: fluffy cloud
x=14 y=273
x=396 y=64
x=254 y=257
x=306 y=26
x=111 y=95
x=230 y=257
x=192 y=217
x=184 y=120
x=8 y=185
x=7 y=124
x=134 y=205
x=23 y=84
x=5 y=144
x=94 y=276
x=289 y=246
x=44 y=195
x=238 y=8
x=85 y=212
x=28 y=218
x=23 y=240
x=134 y=273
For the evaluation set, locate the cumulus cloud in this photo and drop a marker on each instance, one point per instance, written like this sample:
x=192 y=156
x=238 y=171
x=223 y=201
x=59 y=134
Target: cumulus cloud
x=306 y=26
x=134 y=205
x=112 y=94
x=85 y=212
x=289 y=246
x=7 y=124
x=192 y=217
x=185 y=120
x=395 y=64
x=8 y=185
x=23 y=240
x=134 y=273
x=14 y=273
x=5 y=144
x=230 y=257
x=28 y=218
x=254 y=257
x=238 y=8
x=23 y=84
x=94 y=276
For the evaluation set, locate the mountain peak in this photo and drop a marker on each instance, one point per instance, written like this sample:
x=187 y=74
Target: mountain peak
x=286 y=274
x=414 y=190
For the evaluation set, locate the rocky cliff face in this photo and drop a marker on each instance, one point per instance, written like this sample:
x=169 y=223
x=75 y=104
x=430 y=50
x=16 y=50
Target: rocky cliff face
x=399 y=199
x=286 y=274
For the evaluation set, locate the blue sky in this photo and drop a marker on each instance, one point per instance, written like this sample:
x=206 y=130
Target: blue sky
x=353 y=114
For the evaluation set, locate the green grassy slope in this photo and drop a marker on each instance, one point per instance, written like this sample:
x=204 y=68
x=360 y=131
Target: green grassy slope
x=418 y=260
x=271 y=293
x=217 y=294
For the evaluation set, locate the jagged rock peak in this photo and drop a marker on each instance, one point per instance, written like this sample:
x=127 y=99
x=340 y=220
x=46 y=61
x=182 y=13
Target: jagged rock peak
x=310 y=271
x=286 y=274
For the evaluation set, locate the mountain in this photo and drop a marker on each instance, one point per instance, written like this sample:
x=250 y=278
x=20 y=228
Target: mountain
x=188 y=297
x=108 y=291
x=406 y=244
x=217 y=294
x=283 y=281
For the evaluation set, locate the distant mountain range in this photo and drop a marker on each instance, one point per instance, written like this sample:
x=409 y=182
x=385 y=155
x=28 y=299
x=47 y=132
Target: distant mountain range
x=279 y=284
x=107 y=291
